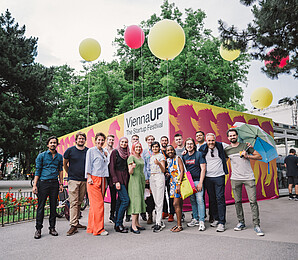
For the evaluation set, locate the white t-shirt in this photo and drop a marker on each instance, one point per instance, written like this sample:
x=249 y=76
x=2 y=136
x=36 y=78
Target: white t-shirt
x=154 y=168
x=214 y=164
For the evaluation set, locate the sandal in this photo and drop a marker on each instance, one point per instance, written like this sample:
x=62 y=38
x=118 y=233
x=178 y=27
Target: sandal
x=178 y=229
x=173 y=228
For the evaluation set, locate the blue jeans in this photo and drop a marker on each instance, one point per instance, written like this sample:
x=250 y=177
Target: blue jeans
x=215 y=187
x=197 y=204
x=122 y=205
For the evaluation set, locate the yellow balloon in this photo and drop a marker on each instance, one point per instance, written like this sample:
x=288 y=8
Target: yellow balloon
x=89 y=49
x=261 y=98
x=166 y=39
x=228 y=55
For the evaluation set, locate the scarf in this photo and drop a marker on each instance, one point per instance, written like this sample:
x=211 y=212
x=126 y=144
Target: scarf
x=123 y=152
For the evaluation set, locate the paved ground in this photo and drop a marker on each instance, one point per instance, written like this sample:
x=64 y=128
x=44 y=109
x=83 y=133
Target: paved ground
x=16 y=185
x=279 y=222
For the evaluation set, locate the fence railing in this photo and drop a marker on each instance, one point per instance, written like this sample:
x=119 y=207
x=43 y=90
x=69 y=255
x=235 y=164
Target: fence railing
x=21 y=206
x=14 y=214
x=18 y=194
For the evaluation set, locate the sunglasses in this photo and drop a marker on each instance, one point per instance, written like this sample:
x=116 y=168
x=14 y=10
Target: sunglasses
x=212 y=153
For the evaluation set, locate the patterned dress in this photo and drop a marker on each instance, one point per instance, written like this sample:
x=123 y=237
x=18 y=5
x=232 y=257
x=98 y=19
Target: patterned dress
x=174 y=171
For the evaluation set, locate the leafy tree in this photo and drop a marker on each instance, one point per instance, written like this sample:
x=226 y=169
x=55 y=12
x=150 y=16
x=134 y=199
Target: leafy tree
x=275 y=27
x=198 y=73
x=23 y=91
x=105 y=83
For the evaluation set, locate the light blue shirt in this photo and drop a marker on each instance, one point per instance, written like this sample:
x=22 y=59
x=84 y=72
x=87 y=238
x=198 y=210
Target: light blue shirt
x=97 y=163
x=146 y=157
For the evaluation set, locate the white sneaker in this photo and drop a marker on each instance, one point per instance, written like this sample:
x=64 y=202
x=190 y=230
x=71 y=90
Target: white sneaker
x=202 y=226
x=163 y=225
x=220 y=228
x=193 y=223
x=259 y=231
x=214 y=223
x=104 y=233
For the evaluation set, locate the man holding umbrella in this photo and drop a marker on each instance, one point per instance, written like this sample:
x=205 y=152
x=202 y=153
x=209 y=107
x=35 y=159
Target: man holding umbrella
x=242 y=174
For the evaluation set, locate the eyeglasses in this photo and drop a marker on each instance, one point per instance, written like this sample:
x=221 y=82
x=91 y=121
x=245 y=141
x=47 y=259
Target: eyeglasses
x=212 y=153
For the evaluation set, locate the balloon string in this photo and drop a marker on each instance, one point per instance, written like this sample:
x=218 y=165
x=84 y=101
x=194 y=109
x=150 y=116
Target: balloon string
x=142 y=83
x=233 y=84
x=133 y=83
x=167 y=76
x=88 y=94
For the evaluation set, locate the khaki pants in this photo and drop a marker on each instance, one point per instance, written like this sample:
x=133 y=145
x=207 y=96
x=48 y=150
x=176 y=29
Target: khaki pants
x=76 y=192
x=250 y=187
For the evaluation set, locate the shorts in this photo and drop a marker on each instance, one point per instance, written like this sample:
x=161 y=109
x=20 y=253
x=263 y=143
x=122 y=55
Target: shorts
x=293 y=180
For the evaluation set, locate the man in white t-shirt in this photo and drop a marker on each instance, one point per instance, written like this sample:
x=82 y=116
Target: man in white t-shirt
x=242 y=174
x=214 y=154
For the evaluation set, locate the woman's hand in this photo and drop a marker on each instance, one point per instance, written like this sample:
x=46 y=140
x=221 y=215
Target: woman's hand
x=199 y=186
x=118 y=186
x=89 y=180
x=178 y=189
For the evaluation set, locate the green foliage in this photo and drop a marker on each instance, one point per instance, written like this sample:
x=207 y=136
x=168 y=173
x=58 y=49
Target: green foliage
x=274 y=27
x=23 y=91
x=198 y=72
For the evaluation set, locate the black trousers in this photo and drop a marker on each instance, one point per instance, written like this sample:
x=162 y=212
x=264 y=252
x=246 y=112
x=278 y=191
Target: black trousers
x=47 y=189
x=113 y=193
x=216 y=192
x=171 y=200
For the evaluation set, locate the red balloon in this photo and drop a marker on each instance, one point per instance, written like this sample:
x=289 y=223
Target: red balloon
x=134 y=36
x=282 y=63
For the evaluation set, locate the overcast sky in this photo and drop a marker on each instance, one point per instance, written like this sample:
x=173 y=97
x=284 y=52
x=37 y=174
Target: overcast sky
x=61 y=25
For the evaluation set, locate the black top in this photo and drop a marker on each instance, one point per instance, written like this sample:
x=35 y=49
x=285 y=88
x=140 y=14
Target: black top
x=77 y=160
x=292 y=165
x=192 y=164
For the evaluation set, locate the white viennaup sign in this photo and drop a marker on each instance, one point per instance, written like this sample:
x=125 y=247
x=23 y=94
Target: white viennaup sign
x=149 y=119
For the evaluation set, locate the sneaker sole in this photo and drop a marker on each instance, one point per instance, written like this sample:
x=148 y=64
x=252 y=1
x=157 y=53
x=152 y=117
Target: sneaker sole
x=239 y=229
x=68 y=234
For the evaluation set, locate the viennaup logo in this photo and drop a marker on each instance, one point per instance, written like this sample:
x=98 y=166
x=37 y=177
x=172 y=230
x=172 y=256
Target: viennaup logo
x=154 y=114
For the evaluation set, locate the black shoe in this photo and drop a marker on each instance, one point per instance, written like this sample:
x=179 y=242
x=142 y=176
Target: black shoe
x=127 y=218
x=126 y=228
x=135 y=231
x=141 y=228
x=53 y=232
x=143 y=216
x=120 y=229
x=37 y=234
x=112 y=219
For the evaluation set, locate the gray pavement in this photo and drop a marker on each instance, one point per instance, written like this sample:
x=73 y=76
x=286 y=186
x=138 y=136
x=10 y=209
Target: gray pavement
x=16 y=185
x=278 y=221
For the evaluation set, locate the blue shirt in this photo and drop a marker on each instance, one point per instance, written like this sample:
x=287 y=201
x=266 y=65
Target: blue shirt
x=47 y=167
x=146 y=157
x=97 y=163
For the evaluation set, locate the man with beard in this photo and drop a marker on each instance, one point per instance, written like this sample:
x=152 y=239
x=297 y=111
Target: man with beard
x=48 y=166
x=164 y=141
x=74 y=164
x=240 y=155
x=200 y=137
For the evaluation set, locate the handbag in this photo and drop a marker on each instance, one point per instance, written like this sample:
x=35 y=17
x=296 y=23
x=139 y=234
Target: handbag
x=187 y=187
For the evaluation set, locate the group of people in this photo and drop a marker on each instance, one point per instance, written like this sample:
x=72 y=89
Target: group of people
x=142 y=180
